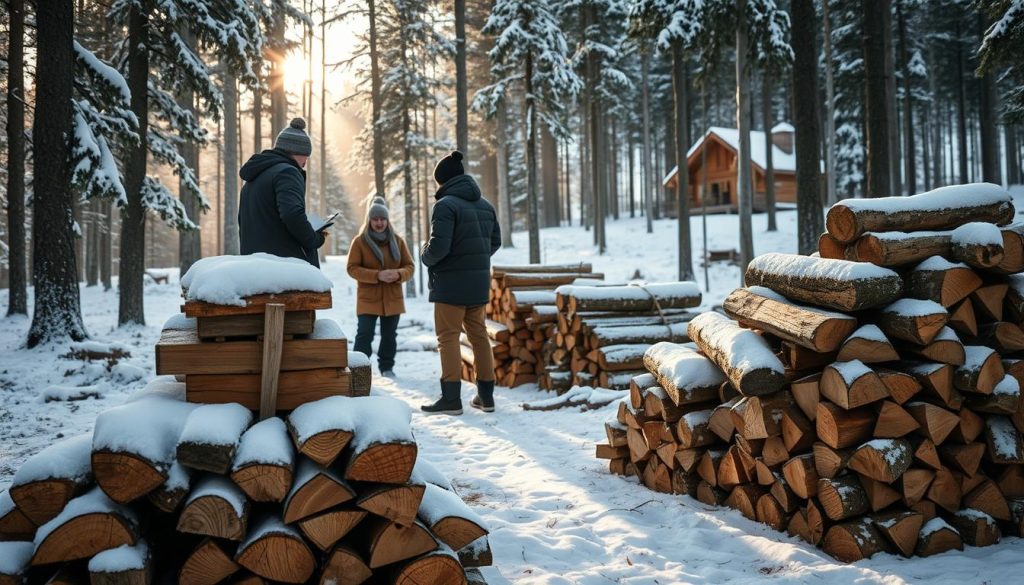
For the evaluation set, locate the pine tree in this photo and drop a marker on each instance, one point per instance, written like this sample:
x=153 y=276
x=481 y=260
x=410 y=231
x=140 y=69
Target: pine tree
x=807 y=144
x=17 y=300
x=1002 y=45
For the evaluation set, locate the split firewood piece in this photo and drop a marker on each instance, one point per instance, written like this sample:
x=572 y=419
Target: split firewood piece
x=942 y=208
x=134 y=445
x=977 y=244
x=798 y=358
x=869 y=345
x=752 y=447
x=744 y=498
x=276 y=551
x=988 y=301
x=1005 y=445
x=668 y=295
x=1013 y=249
x=801 y=475
x=327 y=528
x=48 y=480
x=216 y=507
x=398 y=503
x=975 y=527
x=880 y=495
x=720 y=422
x=882 y=460
x=813 y=328
x=806 y=392
x=1006 y=338
x=936 y=380
x=382 y=542
x=1004 y=399
x=982 y=370
x=693 y=430
x=944 y=348
x=684 y=484
x=925 y=508
x=913 y=320
x=711 y=495
x=762 y=473
x=14 y=524
x=207 y=564
x=798 y=433
x=937 y=279
x=687 y=460
x=927 y=453
x=605 y=451
x=639 y=450
x=829 y=247
x=835 y=284
x=901 y=527
x=656 y=402
x=854 y=540
x=707 y=469
x=1011 y=481
x=901 y=385
x=477 y=554
x=124 y=565
x=173 y=491
x=760 y=417
x=914 y=484
x=964 y=458
x=16 y=555
x=769 y=511
x=829 y=462
x=839 y=428
x=383 y=450
x=437 y=566
x=322 y=429
x=744 y=356
x=785 y=495
x=962 y=318
x=265 y=461
x=685 y=375
x=737 y=467
x=936 y=422
x=638 y=386
x=945 y=490
x=936 y=537
x=344 y=566
x=616 y=433
x=314 y=490
x=89 y=524
x=851 y=384
x=211 y=435
x=893 y=421
x=842 y=497
x=817 y=523
x=988 y=498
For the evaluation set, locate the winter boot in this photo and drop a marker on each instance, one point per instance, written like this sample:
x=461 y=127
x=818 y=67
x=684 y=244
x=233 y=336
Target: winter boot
x=484 y=399
x=450 y=402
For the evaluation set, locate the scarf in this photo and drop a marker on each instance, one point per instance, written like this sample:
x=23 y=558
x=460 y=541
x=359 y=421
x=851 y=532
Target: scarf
x=375 y=239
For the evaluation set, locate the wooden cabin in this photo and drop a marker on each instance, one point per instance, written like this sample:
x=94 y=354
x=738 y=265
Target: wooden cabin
x=719 y=148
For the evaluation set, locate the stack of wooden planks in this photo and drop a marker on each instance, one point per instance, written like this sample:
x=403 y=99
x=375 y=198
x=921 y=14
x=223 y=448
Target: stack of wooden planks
x=219 y=351
x=163 y=490
x=858 y=407
x=601 y=332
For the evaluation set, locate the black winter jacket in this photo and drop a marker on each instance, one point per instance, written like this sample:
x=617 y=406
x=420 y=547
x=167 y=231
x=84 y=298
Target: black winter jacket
x=464 y=234
x=272 y=210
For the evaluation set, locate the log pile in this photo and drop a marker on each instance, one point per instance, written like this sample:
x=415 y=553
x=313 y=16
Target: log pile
x=166 y=490
x=859 y=408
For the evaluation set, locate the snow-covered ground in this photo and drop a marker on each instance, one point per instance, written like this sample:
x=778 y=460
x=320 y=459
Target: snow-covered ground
x=556 y=515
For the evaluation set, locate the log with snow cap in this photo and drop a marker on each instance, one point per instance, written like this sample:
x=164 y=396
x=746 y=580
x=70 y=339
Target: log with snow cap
x=835 y=284
x=977 y=244
x=744 y=356
x=939 y=209
x=813 y=328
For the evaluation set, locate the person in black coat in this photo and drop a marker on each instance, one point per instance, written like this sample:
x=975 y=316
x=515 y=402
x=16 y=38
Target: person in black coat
x=272 y=210
x=464 y=234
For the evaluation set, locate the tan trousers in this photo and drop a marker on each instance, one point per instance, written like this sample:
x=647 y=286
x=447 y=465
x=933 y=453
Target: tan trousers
x=449 y=322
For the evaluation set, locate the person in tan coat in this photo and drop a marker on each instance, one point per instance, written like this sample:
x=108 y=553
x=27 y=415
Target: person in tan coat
x=379 y=261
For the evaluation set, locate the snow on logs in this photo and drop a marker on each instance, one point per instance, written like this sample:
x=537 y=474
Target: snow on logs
x=744 y=356
x=668 y=295
x=812 y=328
x=834 y=284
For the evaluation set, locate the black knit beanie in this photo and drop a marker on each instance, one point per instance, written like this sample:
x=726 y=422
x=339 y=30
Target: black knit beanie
x=449 y=167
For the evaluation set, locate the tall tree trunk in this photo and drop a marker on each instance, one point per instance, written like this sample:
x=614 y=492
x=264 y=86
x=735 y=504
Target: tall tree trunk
x=133 y=215
x=17 y=301
x=278 y=95
x=375 y=104
x=190 y=247
x=106 y=241
x=961 y=109
x=568 y=192
x=879 y=175
x=57 y=311
x=461 y=100
x=549 y=176
x=891 y=113
x=504 y=192
x=909 y=155
x=990 y=167
x=598 y=182
x=257 y=117
x=230 y=164
x=532 y=209
x=830 y=110
x=926 y=155
x=631 y=153
x=744 y=181
x=647 y=187
x=613 y=169
x=410 y=197
x=322 y=186
x=1012 y=162
x=586 y=184
x=92 y=243
x=680 y=99
x=769 y=167
x=808 y=158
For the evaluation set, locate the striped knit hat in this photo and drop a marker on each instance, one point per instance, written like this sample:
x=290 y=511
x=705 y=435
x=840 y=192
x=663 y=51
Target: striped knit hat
x=294 y=139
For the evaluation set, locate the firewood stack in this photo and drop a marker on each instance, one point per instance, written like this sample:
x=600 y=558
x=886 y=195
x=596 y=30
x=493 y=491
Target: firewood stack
x=861 y=407
x=601 y=332
x=520 y=318
x=165 y=490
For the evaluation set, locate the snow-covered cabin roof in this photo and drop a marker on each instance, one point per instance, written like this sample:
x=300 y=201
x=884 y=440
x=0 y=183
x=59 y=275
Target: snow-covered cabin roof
x=781 y=160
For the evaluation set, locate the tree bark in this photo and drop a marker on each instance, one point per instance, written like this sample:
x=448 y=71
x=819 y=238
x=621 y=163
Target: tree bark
x=16 y=237
x=597 y=147
x=830 y=111
x=92 y=243
x=278 y=96
x=744 y=181
x=375 y=104
x=230 y=164
x=549 y=168
x=990 y=167
x=891 y=114
x=410 y=197
x=1012 y=162
x=133 y=215
x=504 y=195
x=769 y=169
x=189 y=241
x=647 y=187
x=612 y=169
x=961 y=109
x=533 y=211
x=631 y=152
x=808 y=156
x=57 y=304
x=680 y=98
x=879 y=176
x=909 y=158
x=257 y=117
x=106 y=239
x=461 y=102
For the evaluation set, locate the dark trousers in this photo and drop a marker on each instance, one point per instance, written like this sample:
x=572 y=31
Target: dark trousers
x=388 y=338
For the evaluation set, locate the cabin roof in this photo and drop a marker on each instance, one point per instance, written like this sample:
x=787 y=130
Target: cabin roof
x=782 y=161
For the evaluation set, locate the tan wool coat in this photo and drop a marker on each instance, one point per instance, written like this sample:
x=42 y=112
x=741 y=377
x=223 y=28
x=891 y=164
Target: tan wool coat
x=375 y=297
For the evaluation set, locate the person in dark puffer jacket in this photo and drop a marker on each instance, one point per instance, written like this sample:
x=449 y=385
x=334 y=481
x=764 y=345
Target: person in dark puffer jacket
x=272 y=208
x=464 y=234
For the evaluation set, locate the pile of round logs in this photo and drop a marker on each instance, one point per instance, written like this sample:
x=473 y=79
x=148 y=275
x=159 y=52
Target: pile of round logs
x=859 y=408
x=168 y=491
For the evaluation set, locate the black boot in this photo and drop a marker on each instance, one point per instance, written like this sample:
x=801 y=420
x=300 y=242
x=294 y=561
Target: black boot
x=450 y=402
x=484 y=399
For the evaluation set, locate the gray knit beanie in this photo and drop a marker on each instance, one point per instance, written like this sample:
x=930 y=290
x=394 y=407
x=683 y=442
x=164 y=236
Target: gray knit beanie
x=294 y=139
x=378 y=208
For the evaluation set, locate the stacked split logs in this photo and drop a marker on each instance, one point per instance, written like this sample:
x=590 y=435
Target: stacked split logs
x=862 y=408
x=168 y=491
x=601 y=332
